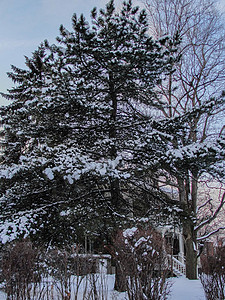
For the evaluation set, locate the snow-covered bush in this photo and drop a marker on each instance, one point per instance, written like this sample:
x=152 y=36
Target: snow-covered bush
x=63 y=274
x=213 y=273
x=142 y=265
x=20 y=270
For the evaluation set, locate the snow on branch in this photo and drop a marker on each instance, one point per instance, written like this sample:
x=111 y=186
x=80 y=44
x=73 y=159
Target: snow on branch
x=213 y=217
x=201 y=238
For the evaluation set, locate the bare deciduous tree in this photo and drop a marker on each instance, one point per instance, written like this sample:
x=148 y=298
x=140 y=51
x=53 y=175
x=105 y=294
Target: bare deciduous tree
x=199 y=76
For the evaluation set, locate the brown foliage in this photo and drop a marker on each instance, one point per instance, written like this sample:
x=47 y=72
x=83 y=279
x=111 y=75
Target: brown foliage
x=19 y=269
x=141 y=258
x=213 y=273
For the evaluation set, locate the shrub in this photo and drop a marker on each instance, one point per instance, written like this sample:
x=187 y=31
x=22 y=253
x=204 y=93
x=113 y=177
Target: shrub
x=20 y=269
x=213 y=273
x=142 y=265
x=29 y=273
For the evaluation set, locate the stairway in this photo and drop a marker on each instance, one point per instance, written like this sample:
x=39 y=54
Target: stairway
x=179 y=269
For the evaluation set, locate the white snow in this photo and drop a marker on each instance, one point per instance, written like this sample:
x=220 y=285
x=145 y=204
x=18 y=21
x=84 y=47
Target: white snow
x=140 y=241
x=129 y=232
x=16 y=227
x=182 y=289
x=185 y=289
x=49 y=173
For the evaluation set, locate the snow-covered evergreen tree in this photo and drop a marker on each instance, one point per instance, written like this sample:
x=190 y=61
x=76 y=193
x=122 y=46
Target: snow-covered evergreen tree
x=68 y=131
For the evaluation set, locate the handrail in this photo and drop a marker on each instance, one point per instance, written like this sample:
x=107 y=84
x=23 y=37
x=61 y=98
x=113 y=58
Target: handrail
x=178 y=267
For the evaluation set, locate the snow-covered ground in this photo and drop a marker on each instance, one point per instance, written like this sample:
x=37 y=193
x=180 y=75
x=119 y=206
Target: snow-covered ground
x=182 y=289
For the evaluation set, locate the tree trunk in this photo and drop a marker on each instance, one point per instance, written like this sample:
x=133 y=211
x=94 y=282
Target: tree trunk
x=115 y=192
x=120 y=280
x=114 y=184
x=191 y=251
x=189 y=233
x=194 y=192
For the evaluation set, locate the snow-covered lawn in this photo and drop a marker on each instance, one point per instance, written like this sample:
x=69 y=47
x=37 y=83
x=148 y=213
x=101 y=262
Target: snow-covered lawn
x=182 y=289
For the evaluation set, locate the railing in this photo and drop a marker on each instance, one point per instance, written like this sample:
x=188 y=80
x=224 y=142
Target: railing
x=178 y=267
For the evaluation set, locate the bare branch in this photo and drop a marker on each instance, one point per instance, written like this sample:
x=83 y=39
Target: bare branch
x=206 y=236
x=213 y=217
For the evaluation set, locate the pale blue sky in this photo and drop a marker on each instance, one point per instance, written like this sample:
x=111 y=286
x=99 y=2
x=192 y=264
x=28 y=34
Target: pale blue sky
x=24 y=24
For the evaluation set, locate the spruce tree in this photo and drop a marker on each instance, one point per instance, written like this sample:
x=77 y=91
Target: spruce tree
x=76 y=109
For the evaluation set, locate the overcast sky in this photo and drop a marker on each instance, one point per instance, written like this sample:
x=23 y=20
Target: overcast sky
x=24 y=24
